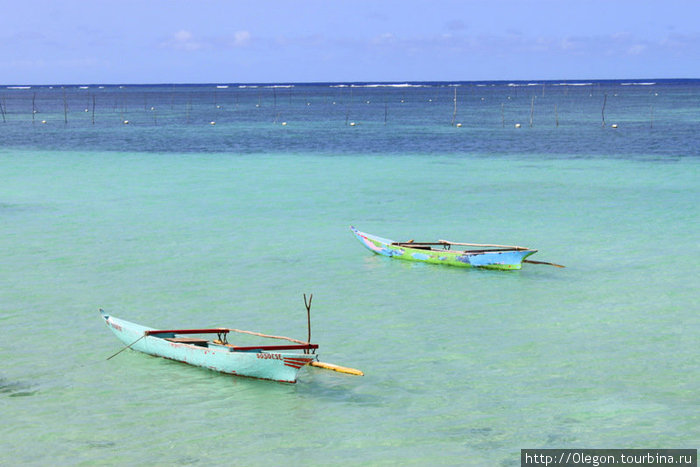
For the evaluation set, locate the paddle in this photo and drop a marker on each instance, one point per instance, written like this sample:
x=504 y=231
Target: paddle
x=338 y=368
x=122 y=350
x=543 y=262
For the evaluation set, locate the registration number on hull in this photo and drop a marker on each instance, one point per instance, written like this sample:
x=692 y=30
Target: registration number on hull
x=270 y=356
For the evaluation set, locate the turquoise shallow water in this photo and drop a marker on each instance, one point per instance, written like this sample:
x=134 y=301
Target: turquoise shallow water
x=462 y=367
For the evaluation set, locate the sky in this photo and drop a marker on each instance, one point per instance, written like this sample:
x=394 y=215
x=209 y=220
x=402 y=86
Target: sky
x=282 y=41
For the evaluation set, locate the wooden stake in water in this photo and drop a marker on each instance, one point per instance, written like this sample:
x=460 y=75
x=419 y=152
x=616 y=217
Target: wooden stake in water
x=93 y=109
x=33 y=107
x=274 y=103
x=65 y=106
x=2 y=109
x=532 y=110
x=556 y=115
x=308 y=317
x=347 y=108
x=454 y=111
x=503 y=117
x=602 y=111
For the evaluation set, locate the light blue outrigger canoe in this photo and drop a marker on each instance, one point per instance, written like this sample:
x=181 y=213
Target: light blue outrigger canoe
x=441 y=252
x=272 y=362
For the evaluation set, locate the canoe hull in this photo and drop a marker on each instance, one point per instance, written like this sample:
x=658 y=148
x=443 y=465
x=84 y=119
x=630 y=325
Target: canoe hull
x=504 y=260
x=275 y=366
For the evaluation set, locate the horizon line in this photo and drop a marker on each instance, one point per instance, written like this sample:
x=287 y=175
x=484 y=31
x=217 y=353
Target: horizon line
x=394 y=83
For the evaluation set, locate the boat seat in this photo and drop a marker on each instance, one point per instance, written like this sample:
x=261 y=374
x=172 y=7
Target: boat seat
x=416 y=246
x=188 y=340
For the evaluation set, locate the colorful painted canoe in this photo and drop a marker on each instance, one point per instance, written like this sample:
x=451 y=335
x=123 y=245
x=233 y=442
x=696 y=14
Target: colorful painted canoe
x=441 y=252
x=272 y=362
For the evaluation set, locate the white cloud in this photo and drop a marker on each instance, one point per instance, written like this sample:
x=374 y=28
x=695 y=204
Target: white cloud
x=637 y=49
x=183 y=40
x=384 y=39
x=241 y=38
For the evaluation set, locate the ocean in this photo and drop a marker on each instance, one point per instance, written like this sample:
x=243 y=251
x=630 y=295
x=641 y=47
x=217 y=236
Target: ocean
x=220 y=205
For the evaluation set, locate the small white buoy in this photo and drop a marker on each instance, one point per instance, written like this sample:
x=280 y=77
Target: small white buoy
x=86 y=110
x=517 y=125
x=44 y=122
x=218 y=106
x=126 y=122
x=614 y=125
x=212 y=123
x=153 y=108
x=284 y=123
x=459 y=125
x=352 y=123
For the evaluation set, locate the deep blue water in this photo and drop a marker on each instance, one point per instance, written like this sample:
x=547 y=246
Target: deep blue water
x=654 y=120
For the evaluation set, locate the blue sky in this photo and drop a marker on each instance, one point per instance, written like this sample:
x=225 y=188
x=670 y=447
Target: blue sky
x=218 y=41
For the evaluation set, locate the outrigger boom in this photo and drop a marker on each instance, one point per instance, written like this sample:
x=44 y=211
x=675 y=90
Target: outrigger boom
x=221 y=332
x=483 y=245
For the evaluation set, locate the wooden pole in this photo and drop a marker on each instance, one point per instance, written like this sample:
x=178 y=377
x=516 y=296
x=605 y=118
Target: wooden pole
x=454 y=112
x=65 y=106
x=268 y=336
x=556 y=115
x=33 y=107
x=347 y=108
x=542 y=262
x=484 y=245
x=93 y=109
x=2 y=109
x=602 y=111
x=532 y=110
x=128 y=346
x=308 y=317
